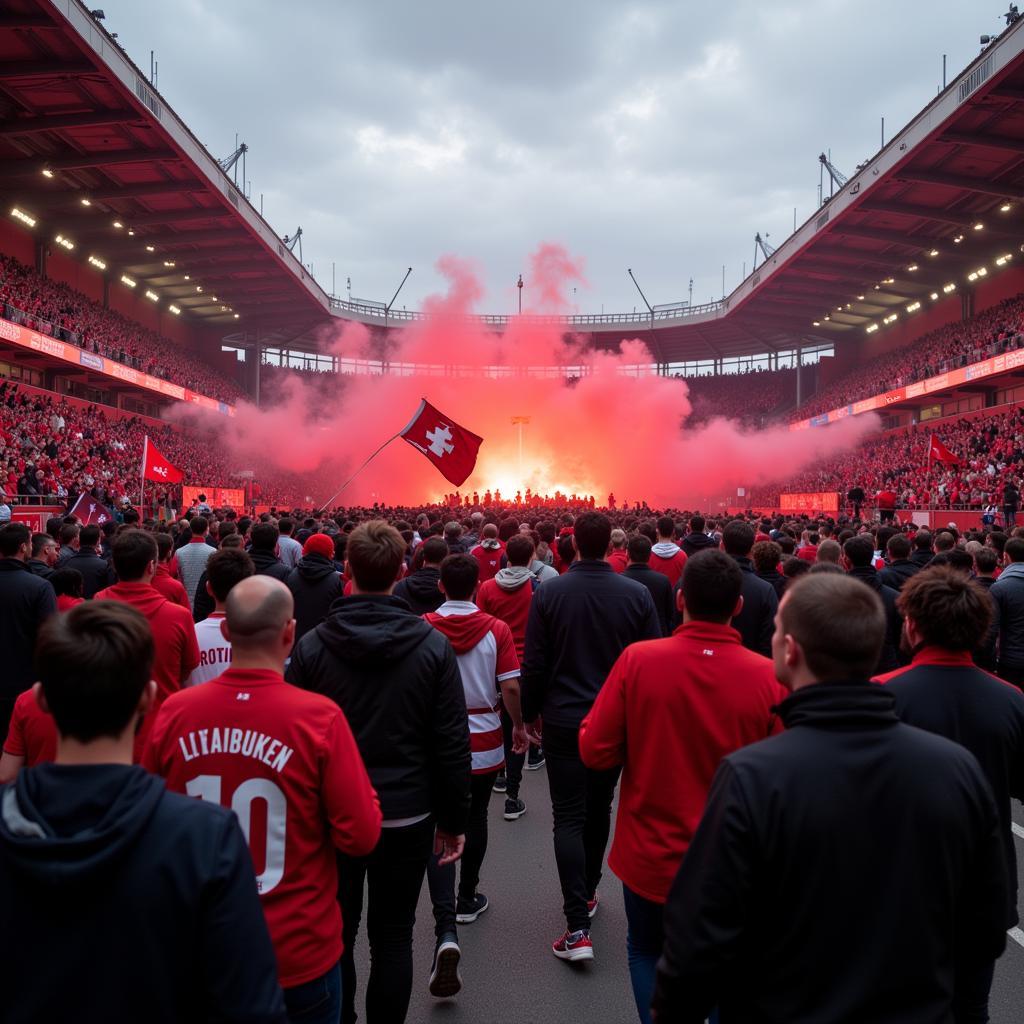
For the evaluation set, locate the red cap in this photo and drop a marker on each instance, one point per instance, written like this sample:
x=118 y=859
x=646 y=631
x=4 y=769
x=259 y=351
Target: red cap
x=319 y=544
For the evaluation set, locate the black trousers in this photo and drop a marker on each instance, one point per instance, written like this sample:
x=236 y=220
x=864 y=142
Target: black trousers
x=393 y=874
x=442 y=879
x=513 y=762
x=581 y=802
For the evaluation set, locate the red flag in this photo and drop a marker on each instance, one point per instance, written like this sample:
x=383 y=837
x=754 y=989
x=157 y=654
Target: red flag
x=451 y=448
x=88 y=510
x=940 y=453
x=156 y=467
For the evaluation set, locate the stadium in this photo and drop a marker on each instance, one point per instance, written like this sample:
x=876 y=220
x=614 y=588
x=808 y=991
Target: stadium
x=166 y=357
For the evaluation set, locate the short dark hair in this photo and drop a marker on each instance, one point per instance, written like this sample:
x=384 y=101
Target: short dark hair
x=519 y=549
x=226 y=568
x=286 y=525
x=793 y=567
x=67 y=582
x=986 y=560
x=666 y=526
x=375 y=554
x=90 y=536
x=923 y=541
x=69 y=533
x=949 y=609
x=738 y=538
x=766 y=555
x=860 y=550
x=164 y=546
x=945 y=541
x=639 y=548
x=697 y=524
x=898 y=546
x=565 y=549
x=12 y=536
x=264 y=537
x=1015 y=549
x=459 y=575
x=199 y=525
x=40 y=541
x=94 y=663
x=435 y=550
x=838 y=621
x=133 y=550
x=593 y=534
x=711 y=585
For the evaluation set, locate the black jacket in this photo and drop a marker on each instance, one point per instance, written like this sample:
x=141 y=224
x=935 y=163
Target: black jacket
x=1008 y=602
x=203 y=606
x=578 y=626
x=896 y=573
x=26 y=601
x=922 y=559
x=985 y=652
x=694 y=542
x=420 y=591
x=947 y=695
x=397 y=680
x=776 y=579
x=97 y=573
x=890 y=657
x=662 y=594
x=39 y=568
x=316 y=585
x=847 y=828
x=756 y=620
x=90 y=858
x=268 y=564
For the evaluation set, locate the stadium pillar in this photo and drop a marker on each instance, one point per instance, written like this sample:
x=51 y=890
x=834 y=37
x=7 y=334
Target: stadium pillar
x=799 y=376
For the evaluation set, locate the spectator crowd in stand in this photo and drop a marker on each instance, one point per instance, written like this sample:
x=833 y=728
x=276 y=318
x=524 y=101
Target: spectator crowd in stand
x=753 y=398
x=54 y=308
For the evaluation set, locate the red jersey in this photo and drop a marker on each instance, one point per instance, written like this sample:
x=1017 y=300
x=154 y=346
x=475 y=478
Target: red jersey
x=489 y=560
x=669 y=559
x=65 y=602
x=669 y=712
x=510 y=606
x=284 y=760
x=33 y=733
x=618 y=559
x=171 y=588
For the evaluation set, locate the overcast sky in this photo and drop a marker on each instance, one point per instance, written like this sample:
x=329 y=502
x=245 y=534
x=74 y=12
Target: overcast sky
x=657 y=136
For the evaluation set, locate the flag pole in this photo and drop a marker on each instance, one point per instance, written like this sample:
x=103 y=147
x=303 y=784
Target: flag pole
x=142 y=489
x=327 y=504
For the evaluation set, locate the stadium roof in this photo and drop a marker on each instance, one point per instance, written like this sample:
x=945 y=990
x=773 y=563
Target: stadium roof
x=79 y=121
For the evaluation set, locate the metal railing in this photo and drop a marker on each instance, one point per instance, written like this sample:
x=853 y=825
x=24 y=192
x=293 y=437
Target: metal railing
x=502 y=320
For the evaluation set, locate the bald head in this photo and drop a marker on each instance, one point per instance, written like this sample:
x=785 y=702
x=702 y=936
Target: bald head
x=257 y=612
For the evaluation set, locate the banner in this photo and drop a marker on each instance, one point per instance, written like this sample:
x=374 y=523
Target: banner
x=156 y=466
x=452 y=449
x=216 y=497
x=825 y=501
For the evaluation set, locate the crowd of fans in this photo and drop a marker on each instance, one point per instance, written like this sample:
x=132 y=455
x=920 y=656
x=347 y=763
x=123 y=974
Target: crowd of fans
x=51 y=307
x=990 y=449
x=753 y=398
x=997 y=329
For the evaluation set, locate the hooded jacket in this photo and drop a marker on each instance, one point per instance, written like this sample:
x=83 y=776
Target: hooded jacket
x=26 y=602
x=944 y=692
x=268 y=564
x=508 y=597
x=890 y=656
x=420 y=590
x=1008 y=600
x=315 y=586
x=893 y=838
x=694 y=542
x=397 y=680
x=90 y=858
x=669 y=559
x=897 y=572
x=171 y=588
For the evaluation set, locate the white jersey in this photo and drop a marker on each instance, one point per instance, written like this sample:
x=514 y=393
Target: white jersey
x=214 y=651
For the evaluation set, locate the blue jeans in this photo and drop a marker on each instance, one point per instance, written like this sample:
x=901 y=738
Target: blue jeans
x=644 y=939
x=317 y=1001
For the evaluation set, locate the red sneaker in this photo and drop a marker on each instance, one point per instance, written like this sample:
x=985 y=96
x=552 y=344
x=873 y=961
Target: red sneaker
x=592 y=905
x=573 y=946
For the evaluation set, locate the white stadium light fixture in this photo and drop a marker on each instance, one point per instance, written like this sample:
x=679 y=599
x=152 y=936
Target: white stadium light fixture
x=187 y=278
x=871 y=328
x=913 y=307
x=972 y=276
x=934 y=252
x=47 y=173
x=1005 y=208
x=860 y=298
x=23 y=217
x=118 y=224
x=982 y=271
x=168 y=263
x=958 y=239
x=152 y=296
x=1004 y=259
x=199 y=287
x=912 y=267
x=947 y=288
x=978 y=226
x=816 y=323
x=174 y=309
x=935 y=295
x=87 y=202
x=125 y=279
x=890 y=318
x=97 y=262
x=130 y=232
x=214 y=298
x=66 y=242
x=236 y=316
x=150 y=248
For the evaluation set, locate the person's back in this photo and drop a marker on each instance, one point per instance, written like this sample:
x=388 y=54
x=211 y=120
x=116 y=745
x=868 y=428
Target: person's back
x=658 y=585
x=858 y=554
x=263 y=552
x=96 y=571
x=509 y=594
x=192 y=557
x=173 y=589
x=489 y=553
x=1008 y=594
x=849 y=819
x=247 y=738
x=420 y=589
x=944 y=692
x=130 y=903
x=760 y=599
x=315 y=583
x=697 y=540
x=289 y=549
x=899 y=568
x=667 y=557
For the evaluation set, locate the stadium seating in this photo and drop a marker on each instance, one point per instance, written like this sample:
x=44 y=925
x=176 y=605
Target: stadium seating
x=753 y=398
x=53 y=308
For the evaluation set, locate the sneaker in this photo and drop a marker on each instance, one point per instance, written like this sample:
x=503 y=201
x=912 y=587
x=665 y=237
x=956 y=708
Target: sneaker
x=514 y=808
x=592 y=905
x=467 y=911
x=574 y=946
x=534 y=761
x=445 y=980
x=500 y=785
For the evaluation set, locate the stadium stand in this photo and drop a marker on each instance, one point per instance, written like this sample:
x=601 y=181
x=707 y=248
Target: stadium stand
x=754 y=398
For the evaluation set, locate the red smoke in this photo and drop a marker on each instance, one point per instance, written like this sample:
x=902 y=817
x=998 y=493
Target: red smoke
x=611 y=431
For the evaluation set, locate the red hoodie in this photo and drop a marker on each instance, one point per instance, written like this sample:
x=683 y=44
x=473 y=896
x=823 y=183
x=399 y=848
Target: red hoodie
x=511 y=606
x=668 y=562
x=171 y=588
x=486 y=654
x=669 y=712
x=619 y=559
